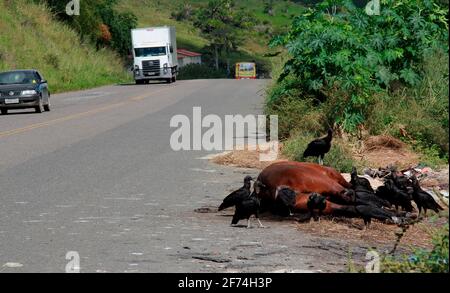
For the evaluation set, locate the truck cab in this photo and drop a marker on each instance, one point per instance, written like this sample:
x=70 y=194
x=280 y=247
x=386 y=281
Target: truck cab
x=154 y=54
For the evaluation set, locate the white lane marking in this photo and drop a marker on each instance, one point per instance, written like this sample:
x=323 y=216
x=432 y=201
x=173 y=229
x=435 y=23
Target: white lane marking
x=124 y=198
x=13 y=265
x=203 y=170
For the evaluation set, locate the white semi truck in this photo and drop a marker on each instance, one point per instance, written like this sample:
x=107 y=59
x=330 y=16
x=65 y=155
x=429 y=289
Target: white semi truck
x=154 y=54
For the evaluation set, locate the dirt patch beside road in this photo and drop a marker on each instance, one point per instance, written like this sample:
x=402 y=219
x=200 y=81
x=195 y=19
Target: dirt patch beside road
x=384 y=150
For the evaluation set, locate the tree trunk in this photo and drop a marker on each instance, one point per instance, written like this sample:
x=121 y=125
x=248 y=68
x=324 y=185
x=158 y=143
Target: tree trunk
x=216 y=49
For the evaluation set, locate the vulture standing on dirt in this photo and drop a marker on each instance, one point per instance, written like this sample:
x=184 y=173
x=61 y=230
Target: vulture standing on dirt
x=390 y=192
x=316 y=202
x=359 y=183
x=319 y=147
x=247 y=208
x=423 y=199
x=237 y=196
x=367 y=212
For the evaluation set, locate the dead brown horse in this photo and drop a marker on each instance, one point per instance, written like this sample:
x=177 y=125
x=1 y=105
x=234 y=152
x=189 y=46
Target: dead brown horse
x=305 y=178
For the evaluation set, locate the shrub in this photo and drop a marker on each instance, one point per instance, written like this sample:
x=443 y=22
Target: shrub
x=185 y=12
x=344 y=67
x=423 y=261
x=295 y=115
x=350 y=55
x=200 y=71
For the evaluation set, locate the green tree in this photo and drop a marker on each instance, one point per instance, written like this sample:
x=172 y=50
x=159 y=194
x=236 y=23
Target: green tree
x=120 y=25
x=218 y=22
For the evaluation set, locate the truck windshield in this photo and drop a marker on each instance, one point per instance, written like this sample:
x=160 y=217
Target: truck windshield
x=148 y=52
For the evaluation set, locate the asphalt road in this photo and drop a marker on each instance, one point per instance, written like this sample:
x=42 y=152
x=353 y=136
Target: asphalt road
x=96 y=175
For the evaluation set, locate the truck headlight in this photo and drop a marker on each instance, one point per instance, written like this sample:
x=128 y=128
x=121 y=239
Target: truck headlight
x=165 y=67
x=28 y=93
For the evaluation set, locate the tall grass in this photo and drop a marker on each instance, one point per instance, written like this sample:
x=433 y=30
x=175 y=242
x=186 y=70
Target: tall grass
x=31 y=38
x=421 y=111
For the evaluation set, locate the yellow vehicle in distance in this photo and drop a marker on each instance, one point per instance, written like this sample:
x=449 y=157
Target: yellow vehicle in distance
x=246 y=70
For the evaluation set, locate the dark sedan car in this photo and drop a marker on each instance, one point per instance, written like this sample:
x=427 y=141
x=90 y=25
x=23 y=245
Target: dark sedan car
x=20 y=89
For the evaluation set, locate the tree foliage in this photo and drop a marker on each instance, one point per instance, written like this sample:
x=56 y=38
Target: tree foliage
x=346 y=52
x=96 y=21
x=220 y=21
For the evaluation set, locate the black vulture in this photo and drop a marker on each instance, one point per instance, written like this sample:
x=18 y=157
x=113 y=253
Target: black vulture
x=390 y=192
x=423 y=199
x=367 y=212
x=319 y=147
x=238 y=195
x=359 y=183
x=401 y=181
x=247 y=208
x=316 y=202
x=284 y=201
x=365 y=197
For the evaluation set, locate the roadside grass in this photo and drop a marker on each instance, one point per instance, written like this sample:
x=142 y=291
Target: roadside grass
x=31 y=38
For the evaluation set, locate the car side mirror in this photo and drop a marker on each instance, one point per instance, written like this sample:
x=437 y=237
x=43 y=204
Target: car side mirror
x=43 y=81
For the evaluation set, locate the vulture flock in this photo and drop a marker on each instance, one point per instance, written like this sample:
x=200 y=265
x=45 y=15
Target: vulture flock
x=285 y=188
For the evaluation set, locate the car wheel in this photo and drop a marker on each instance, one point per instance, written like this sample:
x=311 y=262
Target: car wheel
x=174 y=79
x=40 y=107
x=169 y=80
x=4 y=111
x=47 y=107
x=139 y=81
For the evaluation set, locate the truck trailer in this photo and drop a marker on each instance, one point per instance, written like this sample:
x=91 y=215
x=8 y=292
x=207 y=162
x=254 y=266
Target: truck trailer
x=154 y=54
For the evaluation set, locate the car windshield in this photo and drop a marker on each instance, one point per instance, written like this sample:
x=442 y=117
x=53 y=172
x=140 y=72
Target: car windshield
x=18 y=77
x=148 y=52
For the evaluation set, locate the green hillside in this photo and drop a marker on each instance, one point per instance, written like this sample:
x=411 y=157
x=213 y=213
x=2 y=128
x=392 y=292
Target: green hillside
x=31 y=38
x=254 y=47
